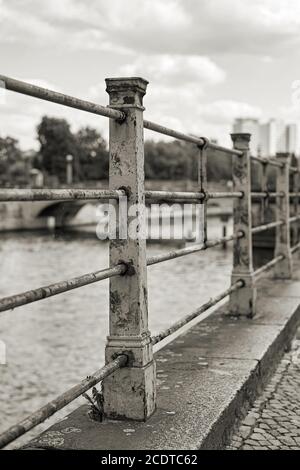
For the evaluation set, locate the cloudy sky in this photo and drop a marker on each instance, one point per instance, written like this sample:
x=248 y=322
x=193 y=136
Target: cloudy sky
x=207 y=61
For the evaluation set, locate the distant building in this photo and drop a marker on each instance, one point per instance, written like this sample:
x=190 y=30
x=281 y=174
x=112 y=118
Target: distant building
x=252 y=127
x=269 y=138
x=268 y=143
x=292 y=144
x=281 y=144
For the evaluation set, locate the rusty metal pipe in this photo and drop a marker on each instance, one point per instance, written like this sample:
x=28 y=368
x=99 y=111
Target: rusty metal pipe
x=152 y=126
x=179 y=324
x=268 y=266
x=224 y=195
x=295 y=248
x=59 y=98
x=60 y=402
x=262 y=228
x=13 y=301
x=226 y=150
x=174 y=195
x=191 y=249
x=266 y=194
x=267 y=161
x=190 y=196
x=58 y=194
x=294 y=219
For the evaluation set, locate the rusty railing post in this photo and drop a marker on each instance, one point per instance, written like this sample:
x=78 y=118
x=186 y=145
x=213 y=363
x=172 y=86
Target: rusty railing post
x=243 y=301
x=283 y=269
x=130 y=392
x=202 y=186
x=295 y=203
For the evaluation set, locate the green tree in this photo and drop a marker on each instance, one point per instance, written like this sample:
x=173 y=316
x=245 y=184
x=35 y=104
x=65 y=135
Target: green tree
x=92 y=153
x=13 y=169
x=56 y=142
x=169 y=160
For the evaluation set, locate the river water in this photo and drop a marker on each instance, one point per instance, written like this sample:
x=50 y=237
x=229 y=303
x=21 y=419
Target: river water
x=54 y=343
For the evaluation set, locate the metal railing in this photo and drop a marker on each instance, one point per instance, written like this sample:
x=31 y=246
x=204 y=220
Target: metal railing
x=129 y=348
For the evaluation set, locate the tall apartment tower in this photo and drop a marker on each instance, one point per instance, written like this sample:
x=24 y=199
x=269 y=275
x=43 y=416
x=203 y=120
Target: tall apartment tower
x=269 y=138
x=292 y=145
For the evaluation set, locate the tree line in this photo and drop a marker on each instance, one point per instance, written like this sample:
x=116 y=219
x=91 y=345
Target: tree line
x=175 y=160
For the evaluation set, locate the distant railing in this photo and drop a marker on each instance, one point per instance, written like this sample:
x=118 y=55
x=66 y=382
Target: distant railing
x=128 y=378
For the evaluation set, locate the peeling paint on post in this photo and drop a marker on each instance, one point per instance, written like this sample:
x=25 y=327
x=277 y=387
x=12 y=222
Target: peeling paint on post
x=242 y=301
x=295 y=204
x=284 y=269
x=130 y=392
x=202 y=186
x=264 y=188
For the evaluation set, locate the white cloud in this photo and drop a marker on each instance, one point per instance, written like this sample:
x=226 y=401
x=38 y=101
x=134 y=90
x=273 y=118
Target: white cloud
x=261 y=27
x=94 y=39
x=16 y=25
x=175 y=69
x=225 y=111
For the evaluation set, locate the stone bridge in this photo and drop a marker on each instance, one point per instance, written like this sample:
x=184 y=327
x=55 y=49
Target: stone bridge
x=44 y=214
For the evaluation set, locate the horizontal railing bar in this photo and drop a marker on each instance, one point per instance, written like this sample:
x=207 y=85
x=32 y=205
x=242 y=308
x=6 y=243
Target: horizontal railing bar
x=152 y=126
x=60 y=402
x=13 y=301
x=34 y=295
x=58 y=194
x=224 y=195
x=294 y=169
x=268 y=265
x=267 y=161
x=229 y=151
x=294 y=219
x=190 y=196
x=175 y=254
x=295 y=248
x=266 y=194
x=262 y=228
x=179 y=324
x=60 y=98
x=294 y=195
x=191 y=249
x=174 y=195
x=11 y=195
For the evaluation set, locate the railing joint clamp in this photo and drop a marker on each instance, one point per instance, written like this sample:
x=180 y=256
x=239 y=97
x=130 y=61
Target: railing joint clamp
x=126 y=190
x=129 y=268
x=127 y=354
x=122 y=119
x=206 y=196
x=205 y=144
x=242 y=282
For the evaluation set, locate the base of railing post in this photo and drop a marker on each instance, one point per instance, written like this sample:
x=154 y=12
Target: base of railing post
x=284 y=269
x=130 y=392
x=243 y=301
